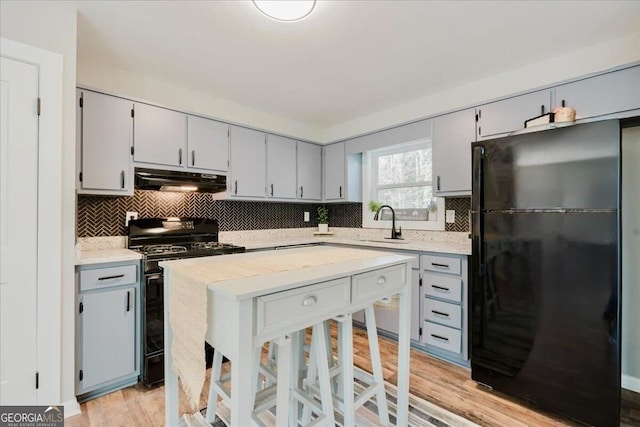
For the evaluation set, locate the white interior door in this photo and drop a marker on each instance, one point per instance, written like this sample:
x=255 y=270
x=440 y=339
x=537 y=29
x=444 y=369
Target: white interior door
x=18 y=231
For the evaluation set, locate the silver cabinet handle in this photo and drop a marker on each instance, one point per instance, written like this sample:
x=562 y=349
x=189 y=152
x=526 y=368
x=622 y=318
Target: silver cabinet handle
x=381 y=280
x=341 y=191
x=117 y=276
x=440 y=313
x=437 y=265
x=128 y=300
x=440 y=337
x=440 y=288
x=193 y=157
x=271 y=190
x=309 y=300
x=235 y=186
x=301 y=191
x=122 y=179
x=180 y=156
x=438 y=183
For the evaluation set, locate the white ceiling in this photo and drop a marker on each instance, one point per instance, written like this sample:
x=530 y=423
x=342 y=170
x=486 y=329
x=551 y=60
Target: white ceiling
x=349 y=58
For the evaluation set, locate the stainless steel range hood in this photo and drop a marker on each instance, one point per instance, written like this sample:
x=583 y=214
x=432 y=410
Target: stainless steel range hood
x=163 y=180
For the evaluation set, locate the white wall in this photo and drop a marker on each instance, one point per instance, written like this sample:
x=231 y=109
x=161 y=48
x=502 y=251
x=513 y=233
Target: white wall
x=593 y=59
x=52 y=26
x=130 y=84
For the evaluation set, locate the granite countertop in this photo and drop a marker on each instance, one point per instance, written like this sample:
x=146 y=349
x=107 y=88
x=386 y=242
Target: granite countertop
x=101 y=256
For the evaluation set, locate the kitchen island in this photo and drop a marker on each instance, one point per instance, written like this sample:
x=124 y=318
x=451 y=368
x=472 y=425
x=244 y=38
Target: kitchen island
x=244 y=297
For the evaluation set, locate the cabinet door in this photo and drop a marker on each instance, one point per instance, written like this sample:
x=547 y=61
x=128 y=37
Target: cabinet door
x=107 y=336
x=334 y=171
x=159 y=136
x=309 y=171
x=208 y=143
x=606 y=94
x=510 y=114
x=105 y=141
x=281 y=167
x=451 y=148
x=248 y=162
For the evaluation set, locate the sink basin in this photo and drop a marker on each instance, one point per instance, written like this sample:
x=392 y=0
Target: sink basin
x=395 y=241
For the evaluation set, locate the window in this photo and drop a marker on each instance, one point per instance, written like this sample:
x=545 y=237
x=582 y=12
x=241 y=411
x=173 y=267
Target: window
x=401 y=176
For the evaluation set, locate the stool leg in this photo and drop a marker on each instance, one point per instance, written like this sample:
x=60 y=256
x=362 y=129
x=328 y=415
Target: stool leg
x=282 y=386
x=345 y=350
x=297 y=370
x=212 y=401
x=376 y=364
x=324 y=379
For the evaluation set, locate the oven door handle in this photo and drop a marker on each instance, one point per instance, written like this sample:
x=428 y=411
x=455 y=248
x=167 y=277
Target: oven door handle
x=153 y=276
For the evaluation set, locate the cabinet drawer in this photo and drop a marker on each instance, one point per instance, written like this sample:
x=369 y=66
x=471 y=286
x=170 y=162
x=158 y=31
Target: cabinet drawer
x=442 y=264
x=443 y=337
x=378 y=283
x=290 y=309
x=445 y=287
x=100 y=278
x=443 y=313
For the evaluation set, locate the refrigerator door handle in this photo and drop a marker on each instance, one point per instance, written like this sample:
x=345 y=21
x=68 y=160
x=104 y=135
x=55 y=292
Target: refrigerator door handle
x=476 y=205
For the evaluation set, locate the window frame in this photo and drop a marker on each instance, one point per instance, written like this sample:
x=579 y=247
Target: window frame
x=369 y=188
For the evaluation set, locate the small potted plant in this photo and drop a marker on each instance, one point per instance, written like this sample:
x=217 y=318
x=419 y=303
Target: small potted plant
x=323 y=219
x=374 y=205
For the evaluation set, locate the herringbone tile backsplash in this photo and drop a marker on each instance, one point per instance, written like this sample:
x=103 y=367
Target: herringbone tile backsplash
x=462 y=206
x=104 y=216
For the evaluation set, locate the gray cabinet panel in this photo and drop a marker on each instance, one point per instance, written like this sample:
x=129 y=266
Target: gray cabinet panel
x=108 y=336
x=510 y=114
x=208 y=144
x=281 y=167
x=309 y=171
x=334 y=171
x=105 y=144
x=451 y=148
x=159 y=136
x=605 y=94
x=248 y=162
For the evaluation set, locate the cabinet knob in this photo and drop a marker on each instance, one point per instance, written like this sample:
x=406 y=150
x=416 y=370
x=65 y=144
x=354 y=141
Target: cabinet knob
x=381 y=280
x=309 y=300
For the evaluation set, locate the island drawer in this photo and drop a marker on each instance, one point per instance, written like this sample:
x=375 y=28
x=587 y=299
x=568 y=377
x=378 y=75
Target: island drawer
x=301 y=306
x=443 y=313
x=99 y=278
x=441 y=336
x=441 y=286
x=380 y=282
x=442 y=264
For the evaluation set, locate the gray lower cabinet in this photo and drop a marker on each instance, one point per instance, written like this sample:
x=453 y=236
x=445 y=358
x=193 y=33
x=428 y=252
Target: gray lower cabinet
x=445 y=306
x=451 y=148
x=108 y=323
x=508 y=115
x=604 y=94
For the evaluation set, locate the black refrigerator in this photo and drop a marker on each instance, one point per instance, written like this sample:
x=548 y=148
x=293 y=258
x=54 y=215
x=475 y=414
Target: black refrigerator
x=545 y=283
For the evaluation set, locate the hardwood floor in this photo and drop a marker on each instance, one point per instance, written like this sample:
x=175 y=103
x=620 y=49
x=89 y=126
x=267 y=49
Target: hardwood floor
x=448 y=386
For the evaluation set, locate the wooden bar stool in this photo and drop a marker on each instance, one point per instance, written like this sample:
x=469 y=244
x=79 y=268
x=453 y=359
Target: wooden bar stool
x=345 y=399
x=281 y=387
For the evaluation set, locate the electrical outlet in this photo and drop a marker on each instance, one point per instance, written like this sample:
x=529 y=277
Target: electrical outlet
x=129 y=217
x=306 y=217
x=450 y=216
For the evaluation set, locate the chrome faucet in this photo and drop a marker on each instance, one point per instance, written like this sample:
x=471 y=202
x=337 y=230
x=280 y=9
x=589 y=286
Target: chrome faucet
x=395 y=234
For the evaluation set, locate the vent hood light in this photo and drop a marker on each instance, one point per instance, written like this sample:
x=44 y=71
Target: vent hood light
x=286 y=10
x=179 y=188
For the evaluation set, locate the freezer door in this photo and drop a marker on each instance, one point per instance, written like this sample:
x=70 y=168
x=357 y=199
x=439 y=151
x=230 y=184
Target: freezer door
x=573 y=167
x=545 y=311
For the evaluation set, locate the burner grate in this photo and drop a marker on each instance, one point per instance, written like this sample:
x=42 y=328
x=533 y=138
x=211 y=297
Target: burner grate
x=163 y=249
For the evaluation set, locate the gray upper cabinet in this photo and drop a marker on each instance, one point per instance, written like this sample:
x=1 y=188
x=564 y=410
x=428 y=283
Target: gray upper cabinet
x=104 y=137
x=159 y=136
x=604 y=94
x=281 y=167
x=309 y=171
x=334 y=171
x=207 y=145
x=451 y=149
x=508 y=115
x=248 y=162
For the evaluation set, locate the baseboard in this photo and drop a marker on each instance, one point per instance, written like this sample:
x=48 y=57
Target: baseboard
x=631 y=383
x=71 y=408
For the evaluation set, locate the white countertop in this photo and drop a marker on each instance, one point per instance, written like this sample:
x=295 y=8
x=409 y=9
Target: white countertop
x=102 y=256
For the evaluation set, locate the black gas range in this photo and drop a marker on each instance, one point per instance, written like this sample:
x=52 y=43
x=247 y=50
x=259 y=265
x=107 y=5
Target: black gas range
x=163 y=239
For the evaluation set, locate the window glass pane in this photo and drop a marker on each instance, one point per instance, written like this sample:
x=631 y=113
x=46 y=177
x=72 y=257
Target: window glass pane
x=407 y=167
x=410 y=203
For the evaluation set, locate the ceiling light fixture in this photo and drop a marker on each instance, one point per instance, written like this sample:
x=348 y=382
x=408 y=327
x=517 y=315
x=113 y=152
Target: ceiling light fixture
x=286 y=10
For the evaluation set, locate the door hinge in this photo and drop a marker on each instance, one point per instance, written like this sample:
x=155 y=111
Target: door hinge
x=476 y=118
x=37 y=380
x=132 y=150
x=419 y=331
x=81 y=102
x=81 y=309
x=420 y=282
x=39 y=105
x=80 y=176
x=132 y=112
x=81 y=376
